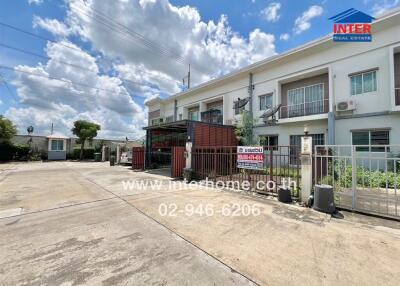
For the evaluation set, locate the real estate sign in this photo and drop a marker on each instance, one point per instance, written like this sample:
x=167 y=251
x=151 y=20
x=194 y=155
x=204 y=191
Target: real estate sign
x=250 y=157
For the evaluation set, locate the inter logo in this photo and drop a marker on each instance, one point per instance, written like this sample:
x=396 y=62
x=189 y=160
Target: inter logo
x=352 y=26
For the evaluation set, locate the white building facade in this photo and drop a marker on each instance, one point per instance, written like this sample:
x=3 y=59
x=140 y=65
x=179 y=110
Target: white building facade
x=346 y=93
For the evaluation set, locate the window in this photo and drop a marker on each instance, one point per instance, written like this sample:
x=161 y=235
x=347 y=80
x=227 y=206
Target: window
x=317 y=139
x=363 y=82
x=368 y=138
x=156 y=121
x=57 y=145
x=180 y=116
x=269 y=140
x=169 y=119
x=266 y=101
x=194 y=114
x=306 y=100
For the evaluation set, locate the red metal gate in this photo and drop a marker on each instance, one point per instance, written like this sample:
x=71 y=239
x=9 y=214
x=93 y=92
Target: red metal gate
x=177 y=161
x=138 y=158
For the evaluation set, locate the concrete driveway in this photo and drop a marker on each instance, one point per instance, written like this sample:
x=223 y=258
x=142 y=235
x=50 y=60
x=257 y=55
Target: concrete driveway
x=69 y=223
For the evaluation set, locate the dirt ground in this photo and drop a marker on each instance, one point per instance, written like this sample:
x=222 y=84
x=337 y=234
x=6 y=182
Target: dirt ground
x=70 y=223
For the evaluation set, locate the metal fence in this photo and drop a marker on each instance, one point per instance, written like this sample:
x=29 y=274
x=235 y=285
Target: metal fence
x=364 y=178
x=219 y=164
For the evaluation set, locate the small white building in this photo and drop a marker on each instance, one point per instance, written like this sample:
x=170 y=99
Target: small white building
x=57 y=147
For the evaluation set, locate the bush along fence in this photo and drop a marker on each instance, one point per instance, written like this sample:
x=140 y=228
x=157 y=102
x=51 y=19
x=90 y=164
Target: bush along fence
x=364 y=178
x=219 y=164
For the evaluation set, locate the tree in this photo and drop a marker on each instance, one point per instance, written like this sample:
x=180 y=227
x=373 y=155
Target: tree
x=244 y=130
x=7 y=129
x=85 y=130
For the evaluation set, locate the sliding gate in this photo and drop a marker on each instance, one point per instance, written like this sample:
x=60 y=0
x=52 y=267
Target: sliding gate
x=364 y=178
x=219 y=164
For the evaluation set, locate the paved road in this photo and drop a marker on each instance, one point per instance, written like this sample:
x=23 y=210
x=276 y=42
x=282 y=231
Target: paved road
x=73 y=223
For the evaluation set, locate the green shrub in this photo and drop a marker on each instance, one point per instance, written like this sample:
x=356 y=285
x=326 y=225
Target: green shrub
x=88 y=154
x=21 y=151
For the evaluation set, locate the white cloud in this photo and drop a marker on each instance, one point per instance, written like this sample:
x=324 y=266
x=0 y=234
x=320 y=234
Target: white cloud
x=52 y=25
x=50 y=101
x=284 y=37
x=271 y=13
x=381 y=7
x=1 y=102
x=35 y=2
x=303 y=22
x=212 y=48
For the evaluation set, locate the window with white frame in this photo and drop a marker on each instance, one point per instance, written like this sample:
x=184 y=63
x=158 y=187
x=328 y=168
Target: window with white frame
x=363 y=82
x=266 y=101
x=194 y=114
x=370 y=137
x=57 y=145
x=269 y=141
x=306 y=100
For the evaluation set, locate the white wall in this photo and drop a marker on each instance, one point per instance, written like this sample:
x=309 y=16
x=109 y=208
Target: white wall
x=285 y=130
x=341 y=58
x=343 y=127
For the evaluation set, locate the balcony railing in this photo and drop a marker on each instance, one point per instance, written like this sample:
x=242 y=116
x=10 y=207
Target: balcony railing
x=397 y=96
x=212 y=116
x=304 y=109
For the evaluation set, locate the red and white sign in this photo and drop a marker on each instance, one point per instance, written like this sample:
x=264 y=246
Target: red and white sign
x=250 y=157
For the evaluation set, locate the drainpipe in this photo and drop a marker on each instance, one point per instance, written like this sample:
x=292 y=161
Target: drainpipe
x=175 y=110
x=251 y=87
x=331 y=114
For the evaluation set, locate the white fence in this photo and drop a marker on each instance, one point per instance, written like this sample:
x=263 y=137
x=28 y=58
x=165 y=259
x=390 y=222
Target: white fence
x=364 y=178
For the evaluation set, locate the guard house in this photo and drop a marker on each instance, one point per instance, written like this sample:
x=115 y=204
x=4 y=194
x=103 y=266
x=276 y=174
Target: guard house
x=57 y=147
x=161 y=138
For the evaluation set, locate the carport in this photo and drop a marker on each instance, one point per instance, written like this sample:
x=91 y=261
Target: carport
x=164 y=139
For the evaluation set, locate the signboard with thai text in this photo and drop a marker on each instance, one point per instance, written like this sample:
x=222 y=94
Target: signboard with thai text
x=250 y=157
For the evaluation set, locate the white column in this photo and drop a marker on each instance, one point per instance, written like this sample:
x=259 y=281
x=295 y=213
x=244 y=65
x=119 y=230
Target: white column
x=188 y=155
x=306 y=168
x=103 y=153
x=118 y=154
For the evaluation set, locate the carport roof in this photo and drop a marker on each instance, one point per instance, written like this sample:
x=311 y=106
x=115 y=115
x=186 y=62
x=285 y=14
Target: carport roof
x=181 y=124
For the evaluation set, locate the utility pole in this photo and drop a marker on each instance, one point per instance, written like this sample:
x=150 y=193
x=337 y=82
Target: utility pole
x=188 y=79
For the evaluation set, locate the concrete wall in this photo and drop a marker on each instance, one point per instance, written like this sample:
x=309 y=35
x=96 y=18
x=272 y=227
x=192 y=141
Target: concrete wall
x=40 y=143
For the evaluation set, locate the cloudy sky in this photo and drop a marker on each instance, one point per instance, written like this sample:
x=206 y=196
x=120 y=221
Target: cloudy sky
x=101 y=60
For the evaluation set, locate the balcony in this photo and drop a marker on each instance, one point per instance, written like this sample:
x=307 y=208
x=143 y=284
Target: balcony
x=397 y=96
x=212 y=116
x=304 y=109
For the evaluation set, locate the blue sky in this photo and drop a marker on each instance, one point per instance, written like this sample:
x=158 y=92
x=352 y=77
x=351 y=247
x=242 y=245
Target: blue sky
x=120 y=71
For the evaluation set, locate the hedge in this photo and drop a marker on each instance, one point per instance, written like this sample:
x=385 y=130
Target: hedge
x=88 y=154
x=9 y=151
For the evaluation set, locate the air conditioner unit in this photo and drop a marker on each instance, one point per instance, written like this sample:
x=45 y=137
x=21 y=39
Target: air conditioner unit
x=229 y=122
x=346 y=105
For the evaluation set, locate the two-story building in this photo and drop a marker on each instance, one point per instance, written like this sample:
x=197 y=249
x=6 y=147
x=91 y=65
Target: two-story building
x=346 y=93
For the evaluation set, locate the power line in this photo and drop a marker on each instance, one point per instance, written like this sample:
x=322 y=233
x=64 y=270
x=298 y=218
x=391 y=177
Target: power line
x=62 y=80
x=55 y=42
x=37 y=36
x=62 y=62
x=135 y=34
x=8 y=87
x=164 y=51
